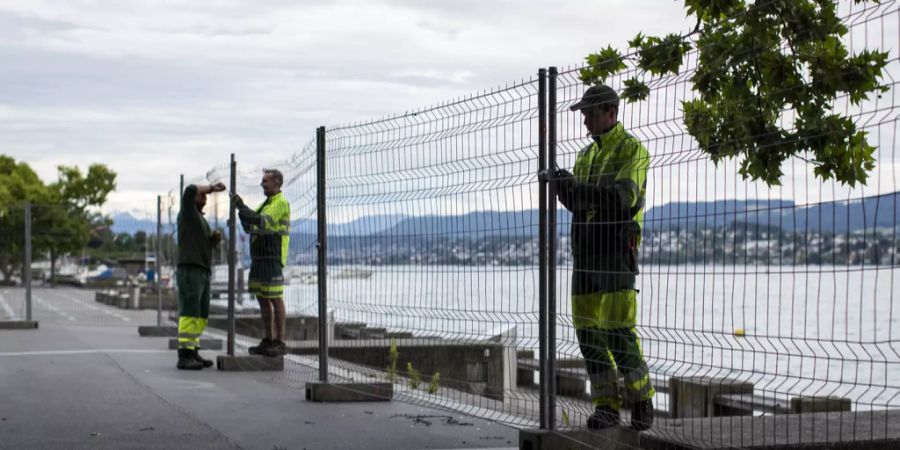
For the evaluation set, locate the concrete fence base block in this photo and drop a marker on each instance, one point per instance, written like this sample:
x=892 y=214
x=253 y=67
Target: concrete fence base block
x=250 y=363
x=205 y=344
x=811 y=404
x=614 y=438
x=694 y=396
x=154 y=331
x=349 y=392
x=18 y=324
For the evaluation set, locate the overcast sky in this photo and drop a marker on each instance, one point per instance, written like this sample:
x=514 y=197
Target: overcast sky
x=162 y=88
x=159 y=88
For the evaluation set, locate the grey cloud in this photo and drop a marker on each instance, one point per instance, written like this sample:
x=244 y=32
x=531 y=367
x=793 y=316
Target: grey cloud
x=161 y=90
x=21 y=26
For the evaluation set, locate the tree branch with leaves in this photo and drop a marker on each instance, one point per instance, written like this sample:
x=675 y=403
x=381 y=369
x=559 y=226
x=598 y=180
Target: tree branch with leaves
x=760 y=65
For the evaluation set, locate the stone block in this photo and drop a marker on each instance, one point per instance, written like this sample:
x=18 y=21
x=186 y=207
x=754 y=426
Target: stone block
x=18 y=324
x=571 y=382
x=349 y=392
x=154 y=331
x=297 y=328
x=812 y=404
x=250 y=363
x=694 y=396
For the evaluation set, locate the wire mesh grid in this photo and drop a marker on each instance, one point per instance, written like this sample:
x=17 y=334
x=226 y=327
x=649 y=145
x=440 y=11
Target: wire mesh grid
x=12 y=263
x=96 y=265
x=779 y=297
x=291 y=282
x=432 y=250
x=781 y=293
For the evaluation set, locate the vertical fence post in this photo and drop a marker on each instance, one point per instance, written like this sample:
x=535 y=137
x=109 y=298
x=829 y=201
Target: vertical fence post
x=26 y=270
x=158 y=268
x=551 y=253
x=542 y=244
x=174 y=272
x=232 y=235
x=321 y=248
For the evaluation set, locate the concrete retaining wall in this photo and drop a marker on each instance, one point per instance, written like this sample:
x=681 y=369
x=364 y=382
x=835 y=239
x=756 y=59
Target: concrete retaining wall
x=487 y=369
x=297 y=328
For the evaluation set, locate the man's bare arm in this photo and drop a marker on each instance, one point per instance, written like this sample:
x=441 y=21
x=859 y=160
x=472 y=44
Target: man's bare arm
x=212 y=188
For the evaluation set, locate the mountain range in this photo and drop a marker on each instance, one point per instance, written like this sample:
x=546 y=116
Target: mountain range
x=837 y=217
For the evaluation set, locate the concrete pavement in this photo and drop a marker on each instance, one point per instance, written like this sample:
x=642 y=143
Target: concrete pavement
x=72 y=385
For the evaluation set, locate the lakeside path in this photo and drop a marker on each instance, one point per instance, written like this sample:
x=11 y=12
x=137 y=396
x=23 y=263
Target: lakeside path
x=70 y=384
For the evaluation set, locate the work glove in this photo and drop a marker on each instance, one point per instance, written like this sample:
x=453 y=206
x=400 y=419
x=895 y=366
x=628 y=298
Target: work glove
x=238 y=201
x=565 y=183
x=563 y=178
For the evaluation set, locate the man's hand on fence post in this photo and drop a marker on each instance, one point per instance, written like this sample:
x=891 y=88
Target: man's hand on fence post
x=238 y=201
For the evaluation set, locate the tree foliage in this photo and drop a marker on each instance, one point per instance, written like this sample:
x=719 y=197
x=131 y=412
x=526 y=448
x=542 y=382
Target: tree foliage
x=18 y=184
x=62 y=220
x=768 y=74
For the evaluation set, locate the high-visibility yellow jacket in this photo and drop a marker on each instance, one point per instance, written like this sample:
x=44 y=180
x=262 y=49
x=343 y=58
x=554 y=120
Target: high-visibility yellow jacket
x=606 y=198
x=269 y=228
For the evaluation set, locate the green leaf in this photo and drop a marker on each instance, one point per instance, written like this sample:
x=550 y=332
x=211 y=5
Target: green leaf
x=393 y=356
x=661 y=56
x=435 y=383
x=601 y=65
x=637 y=41
x=635 y=90
x=754 y=61
x=415 y=378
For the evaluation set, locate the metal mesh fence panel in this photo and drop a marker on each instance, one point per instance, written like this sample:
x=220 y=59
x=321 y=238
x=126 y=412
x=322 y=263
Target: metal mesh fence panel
x=275 y=295
x=755 y=303
x=99 y=266
x=764 y=315
x=12 y=263
x=432 y=252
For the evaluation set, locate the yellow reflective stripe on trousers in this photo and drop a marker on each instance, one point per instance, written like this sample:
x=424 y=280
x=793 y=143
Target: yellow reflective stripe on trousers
x=637 y=382
x=189 y=331
x=607 y=311
x=640 y=389
x=267 y=289
x=264 y=285
x=605 y=385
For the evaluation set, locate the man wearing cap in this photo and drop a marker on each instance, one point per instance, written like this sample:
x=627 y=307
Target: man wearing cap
x=606 y=197
x=269 y=229
x=195 y=246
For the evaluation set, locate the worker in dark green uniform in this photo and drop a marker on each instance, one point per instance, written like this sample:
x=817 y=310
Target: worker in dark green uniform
x=269 y=228
x=195 y=245
x=606 y=198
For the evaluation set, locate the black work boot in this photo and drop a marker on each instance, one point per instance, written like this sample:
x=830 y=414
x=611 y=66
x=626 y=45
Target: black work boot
x=262 y=348
x=186 y=360
x=206 y=362
x=603 y=417
x=278 y=348
x=642 y=415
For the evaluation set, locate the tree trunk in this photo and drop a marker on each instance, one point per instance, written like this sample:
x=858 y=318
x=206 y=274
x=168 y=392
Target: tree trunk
x=7 y=270
x=52 y=268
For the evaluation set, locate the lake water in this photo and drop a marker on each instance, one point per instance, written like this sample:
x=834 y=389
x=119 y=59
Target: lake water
x=816 y=330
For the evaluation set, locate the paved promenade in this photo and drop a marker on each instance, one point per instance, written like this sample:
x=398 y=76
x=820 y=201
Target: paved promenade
x=75 y=384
